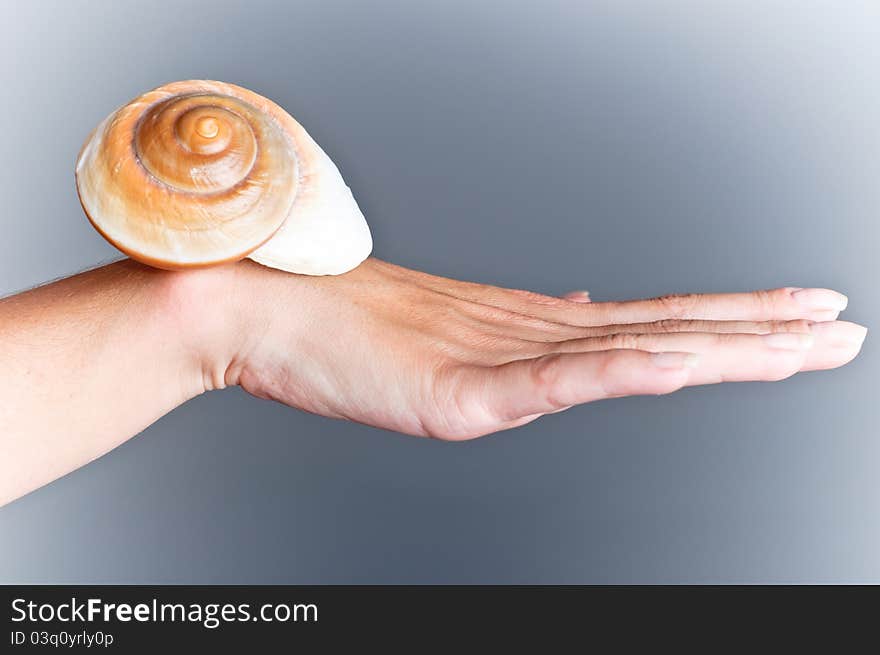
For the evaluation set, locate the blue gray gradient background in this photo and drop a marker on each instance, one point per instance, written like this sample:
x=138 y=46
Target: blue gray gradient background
x=630 y=148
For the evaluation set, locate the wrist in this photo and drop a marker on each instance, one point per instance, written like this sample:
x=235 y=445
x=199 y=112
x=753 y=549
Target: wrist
x=223 y=314
x=206 y=311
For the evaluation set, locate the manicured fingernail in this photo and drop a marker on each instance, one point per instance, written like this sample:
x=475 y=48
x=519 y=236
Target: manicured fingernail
x=820 y=299
x=577 y=296
x=676 y=360
x=842 y=332
x=789 y=340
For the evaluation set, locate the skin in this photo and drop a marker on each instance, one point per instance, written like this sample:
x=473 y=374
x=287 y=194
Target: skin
x=90 y=360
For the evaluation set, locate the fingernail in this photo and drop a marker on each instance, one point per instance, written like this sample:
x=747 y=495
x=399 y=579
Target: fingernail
x=577 y=296
x=676 y=360
x=820 y=299
x=789 y=340
x=842 y=332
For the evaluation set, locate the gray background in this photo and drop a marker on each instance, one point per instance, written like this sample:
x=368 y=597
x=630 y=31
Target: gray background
x=631 y=148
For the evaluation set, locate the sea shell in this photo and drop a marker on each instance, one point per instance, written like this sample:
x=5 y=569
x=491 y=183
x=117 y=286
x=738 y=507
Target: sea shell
x=198 y=173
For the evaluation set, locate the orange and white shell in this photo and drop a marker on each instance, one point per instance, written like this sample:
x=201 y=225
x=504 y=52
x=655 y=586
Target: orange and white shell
x=198 y=173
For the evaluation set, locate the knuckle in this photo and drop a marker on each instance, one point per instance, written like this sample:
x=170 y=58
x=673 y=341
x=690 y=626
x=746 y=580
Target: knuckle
x=763 y=299
x=678 y=305
x=766 y=300
x=546 y=377
x=777 y=325
x=667 y=325
x=545 y=371
x=800 y=325
x=623 y=341
x=774 y=326
x=452 y=408
x=606 y=376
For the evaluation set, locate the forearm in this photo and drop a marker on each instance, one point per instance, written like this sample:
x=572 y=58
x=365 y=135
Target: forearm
x=91 y=360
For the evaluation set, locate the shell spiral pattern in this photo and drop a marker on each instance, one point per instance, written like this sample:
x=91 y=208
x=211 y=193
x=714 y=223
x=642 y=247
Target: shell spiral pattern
x=199 y=173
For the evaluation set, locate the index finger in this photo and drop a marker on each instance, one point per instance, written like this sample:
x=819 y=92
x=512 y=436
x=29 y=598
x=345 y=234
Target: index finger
x=785 y=304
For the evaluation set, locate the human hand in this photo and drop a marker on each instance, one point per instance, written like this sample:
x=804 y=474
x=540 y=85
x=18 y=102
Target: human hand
x=426 y=355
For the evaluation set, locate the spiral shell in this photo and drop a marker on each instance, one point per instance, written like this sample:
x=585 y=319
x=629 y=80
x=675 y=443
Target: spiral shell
x=198 y=173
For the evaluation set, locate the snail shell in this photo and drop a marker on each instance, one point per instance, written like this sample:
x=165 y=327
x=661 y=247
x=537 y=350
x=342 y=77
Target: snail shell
x=197 y=173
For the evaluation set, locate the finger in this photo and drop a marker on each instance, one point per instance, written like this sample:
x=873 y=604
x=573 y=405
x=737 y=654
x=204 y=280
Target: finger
x=777 y=304
x=723 y=357
x=540 y=331
x=787 y=303
x=552 y=318
x=829 y=345
x=514 y=393
x=578 y=296
x=536 y=340
x=720 y=327
x=837 y=343
x=675 y=325
x=491 y=396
